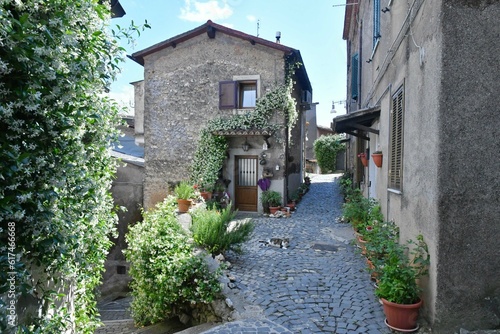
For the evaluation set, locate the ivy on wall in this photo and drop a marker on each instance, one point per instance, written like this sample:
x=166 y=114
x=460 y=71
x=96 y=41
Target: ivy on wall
x=57 y=60
x=211 y=152
x=326 y=149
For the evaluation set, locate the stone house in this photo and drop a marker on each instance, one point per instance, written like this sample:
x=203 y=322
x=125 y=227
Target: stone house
x=312 y=132
x=209 y=72
x=423 y=89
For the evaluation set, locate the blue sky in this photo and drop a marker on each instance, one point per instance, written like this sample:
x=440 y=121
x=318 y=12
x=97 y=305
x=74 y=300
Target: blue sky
x=314 y=27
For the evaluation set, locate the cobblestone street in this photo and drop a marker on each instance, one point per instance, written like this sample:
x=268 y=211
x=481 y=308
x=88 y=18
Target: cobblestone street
x=319 y=284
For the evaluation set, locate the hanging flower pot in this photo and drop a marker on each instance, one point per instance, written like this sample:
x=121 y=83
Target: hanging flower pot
x=377 y=158
x=364 y=161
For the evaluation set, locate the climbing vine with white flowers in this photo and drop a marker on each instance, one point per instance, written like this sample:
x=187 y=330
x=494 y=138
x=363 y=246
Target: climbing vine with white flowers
x=211 y=152
x=57 y=60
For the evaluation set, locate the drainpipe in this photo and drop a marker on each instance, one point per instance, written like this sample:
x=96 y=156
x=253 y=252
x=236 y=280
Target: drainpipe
x=360 y=61
x=285 y=165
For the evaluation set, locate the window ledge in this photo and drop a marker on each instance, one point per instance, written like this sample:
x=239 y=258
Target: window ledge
x=395 y=191
x=242 y=111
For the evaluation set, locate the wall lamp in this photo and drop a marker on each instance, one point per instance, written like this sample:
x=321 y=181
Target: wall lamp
x=245 y=145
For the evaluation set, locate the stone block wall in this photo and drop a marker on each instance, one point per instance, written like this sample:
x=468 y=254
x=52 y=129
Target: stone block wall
x=181 y=94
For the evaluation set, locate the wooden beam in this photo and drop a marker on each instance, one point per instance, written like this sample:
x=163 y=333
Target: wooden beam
x=364 y=128
x=356 y=134
x=211 y=32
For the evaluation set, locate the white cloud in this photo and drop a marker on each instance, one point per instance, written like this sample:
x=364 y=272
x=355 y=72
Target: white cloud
x=197 y=11
x=251 y=18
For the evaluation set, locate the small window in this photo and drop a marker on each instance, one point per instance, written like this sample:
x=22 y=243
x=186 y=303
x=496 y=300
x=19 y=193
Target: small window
x=241 y=93
x=248 y=94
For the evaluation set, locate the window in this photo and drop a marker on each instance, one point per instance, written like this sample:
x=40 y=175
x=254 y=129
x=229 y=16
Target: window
x=248 y=94
x=354 y=76
x=376 y=22
x=396 y=158
x=241 y=93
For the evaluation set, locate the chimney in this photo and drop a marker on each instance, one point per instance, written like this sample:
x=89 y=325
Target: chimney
x=278 y=36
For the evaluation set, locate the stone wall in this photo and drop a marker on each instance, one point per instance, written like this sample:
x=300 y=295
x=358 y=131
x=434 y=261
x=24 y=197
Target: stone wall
x=139 y=112
x=181 y=93
x=468 y=172
x=450 y=186
x=127 y=192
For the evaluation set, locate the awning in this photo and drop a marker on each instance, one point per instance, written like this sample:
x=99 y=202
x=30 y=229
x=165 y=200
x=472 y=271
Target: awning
x=355 y=122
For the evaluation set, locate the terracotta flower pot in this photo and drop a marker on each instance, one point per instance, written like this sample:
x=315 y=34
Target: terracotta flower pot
x=207 y=195
x=361 y=244
x=377 y=159
x=364 y=161
x=273 y=209
x=184 y=205
x=402 y=317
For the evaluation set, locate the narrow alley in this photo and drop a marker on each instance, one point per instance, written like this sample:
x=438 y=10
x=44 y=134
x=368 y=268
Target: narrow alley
x=319 y=284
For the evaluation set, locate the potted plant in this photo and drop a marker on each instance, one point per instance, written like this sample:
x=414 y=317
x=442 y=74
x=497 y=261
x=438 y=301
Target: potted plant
x=398 y=288
x=206 y=191
x=377 y=158
x=381 y=239
x=184 y=192
x=292 y=202
x=363 y=158
x=271 y=199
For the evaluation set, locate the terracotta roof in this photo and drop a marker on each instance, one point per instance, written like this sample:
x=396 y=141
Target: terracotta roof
x=139 y=55
x=211 y=28
x=244 y=132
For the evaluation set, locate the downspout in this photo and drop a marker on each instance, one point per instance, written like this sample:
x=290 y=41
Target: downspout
x=360 y=172
x=360 y=65
x=285 y=165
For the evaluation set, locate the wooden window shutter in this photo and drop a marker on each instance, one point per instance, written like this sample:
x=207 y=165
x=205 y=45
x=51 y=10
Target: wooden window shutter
x=228 y=95
x=396 y=164
x=376 y=21
x=354 y=76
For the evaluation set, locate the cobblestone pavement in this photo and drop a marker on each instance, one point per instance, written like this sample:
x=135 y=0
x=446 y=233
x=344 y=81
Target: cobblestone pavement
x=319 y=284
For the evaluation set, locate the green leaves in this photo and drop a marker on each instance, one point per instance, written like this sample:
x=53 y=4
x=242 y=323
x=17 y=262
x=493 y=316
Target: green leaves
x=211 y=152
x=165 y=272
x=326 y=149
x=56 y=124
x=211 y=230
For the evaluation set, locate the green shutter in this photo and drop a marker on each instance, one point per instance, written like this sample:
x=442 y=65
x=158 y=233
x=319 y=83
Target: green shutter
x=354 y=76
x=396 y=158
x=376 y=21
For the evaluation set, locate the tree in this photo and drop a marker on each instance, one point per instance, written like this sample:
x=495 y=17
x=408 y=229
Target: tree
x=326 y=149
x=57 y=60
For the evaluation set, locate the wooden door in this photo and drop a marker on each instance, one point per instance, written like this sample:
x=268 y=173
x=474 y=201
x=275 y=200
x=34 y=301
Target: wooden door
x=246 y=183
